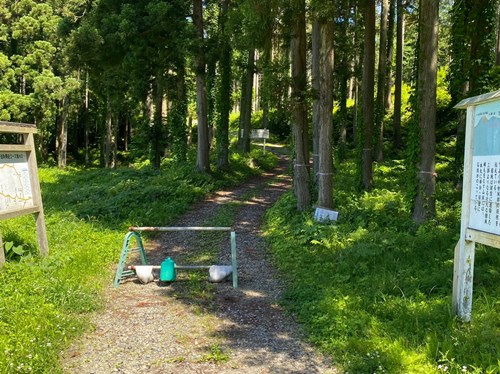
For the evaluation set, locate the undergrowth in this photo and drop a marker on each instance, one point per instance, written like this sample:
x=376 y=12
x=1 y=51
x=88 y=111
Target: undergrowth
x=45 y=302
x=374 y=289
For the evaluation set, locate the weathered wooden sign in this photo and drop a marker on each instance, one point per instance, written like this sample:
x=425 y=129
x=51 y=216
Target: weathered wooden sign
x=260 y=134
x=19 y=185
x=480 y=218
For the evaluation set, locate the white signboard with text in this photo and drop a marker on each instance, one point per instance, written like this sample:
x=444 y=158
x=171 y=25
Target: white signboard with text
x=480 y=218
x=19 y=185
x=260 y=134
x=485 y=181
x=15 y=183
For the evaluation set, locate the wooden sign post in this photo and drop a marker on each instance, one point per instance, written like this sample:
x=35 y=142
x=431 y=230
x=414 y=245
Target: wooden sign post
x=19 y=184
x=480 y=218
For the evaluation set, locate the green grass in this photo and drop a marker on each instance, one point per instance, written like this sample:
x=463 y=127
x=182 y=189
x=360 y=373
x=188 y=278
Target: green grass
x=374 y=290
x=46 y=302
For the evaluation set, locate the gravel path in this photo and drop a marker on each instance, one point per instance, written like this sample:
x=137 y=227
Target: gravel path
x=157 y=328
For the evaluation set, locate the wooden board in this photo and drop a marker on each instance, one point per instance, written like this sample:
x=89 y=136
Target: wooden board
x=20 y=184
x=480 y=216
x=260 y=134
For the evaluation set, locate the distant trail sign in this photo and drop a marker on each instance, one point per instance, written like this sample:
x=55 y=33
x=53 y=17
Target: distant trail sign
x=19 y=185
x=260 y=134
x=480 y=219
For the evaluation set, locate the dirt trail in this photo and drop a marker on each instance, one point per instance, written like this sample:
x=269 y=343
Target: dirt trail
x=154 y=328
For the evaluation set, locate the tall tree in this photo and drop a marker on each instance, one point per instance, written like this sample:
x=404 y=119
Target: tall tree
x=159 y=133
x=224 y=90
x=497 y=49
x=110 y=137
x=355 y=67
x=299 y=105
x=62 y=133
x=343 y=65
x=458 y=74
x=269 y=14
x=368 y=93
x=178 y=113
x=35 y=81
x=424 y=206
x=202 y=159
x=325 y=197
x=315 y=82
x=400 y=30
x=246 y=103
x=482 y=42
x=472 y=51
x=381 y=82
x=389 y=54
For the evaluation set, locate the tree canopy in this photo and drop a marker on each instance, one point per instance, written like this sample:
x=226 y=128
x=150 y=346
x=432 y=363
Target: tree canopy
x=112 y=82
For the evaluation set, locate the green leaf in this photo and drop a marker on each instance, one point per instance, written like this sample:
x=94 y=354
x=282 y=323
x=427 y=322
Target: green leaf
x=18 y=250
x=8 y=246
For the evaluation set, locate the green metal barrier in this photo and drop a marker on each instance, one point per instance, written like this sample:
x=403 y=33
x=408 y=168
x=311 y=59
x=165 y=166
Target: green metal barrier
x=122 y=273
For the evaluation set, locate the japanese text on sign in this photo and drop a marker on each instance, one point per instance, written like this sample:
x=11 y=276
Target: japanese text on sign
x=485 y=186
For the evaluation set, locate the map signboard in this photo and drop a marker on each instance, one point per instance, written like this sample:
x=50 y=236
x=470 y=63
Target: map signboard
x=485 y=176
x=15 y=183
x=19 y=185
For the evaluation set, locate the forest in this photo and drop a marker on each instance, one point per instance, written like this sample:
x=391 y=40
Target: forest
x=154 y=102
x=110 y=83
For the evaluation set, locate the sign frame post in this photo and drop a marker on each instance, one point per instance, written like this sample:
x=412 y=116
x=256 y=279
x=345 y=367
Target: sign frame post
x=472 y=229
x=27 y=148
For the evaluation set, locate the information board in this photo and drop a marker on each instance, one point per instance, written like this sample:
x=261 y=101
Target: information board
x=480 y=217
x=19 y=185
x=260 y=134
x=15 y=183
x=485 y=178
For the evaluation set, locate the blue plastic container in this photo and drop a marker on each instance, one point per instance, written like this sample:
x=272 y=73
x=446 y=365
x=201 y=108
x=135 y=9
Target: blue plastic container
x=167 y=270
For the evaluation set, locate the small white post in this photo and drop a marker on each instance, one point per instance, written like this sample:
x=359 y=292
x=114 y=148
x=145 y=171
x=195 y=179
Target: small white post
x=234 y=263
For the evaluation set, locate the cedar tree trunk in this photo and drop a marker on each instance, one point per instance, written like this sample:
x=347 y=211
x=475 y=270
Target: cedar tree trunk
x=202 y=158
x=368 y=93
x=425 y=206
x=299 y=108
x=325 y=197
